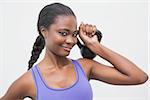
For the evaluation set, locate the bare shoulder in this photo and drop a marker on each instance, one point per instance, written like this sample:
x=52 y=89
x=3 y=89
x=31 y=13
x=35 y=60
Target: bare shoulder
x=86 y=65
x=21 y=87
x=85 y=61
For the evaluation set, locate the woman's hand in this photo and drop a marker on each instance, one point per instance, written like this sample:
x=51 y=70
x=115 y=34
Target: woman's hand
x=87 y=34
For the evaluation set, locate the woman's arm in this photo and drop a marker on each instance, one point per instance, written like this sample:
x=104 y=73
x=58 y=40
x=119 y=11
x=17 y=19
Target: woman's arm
x=123 y=71
x=19 y=89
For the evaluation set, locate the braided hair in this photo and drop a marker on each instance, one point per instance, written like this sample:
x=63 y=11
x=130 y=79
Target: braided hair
x=46 y=17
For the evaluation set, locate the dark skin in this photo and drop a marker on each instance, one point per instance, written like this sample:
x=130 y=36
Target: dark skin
x=58 y=71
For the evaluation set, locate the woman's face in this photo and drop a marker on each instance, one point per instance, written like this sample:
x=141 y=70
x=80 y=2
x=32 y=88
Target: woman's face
x=62 y=35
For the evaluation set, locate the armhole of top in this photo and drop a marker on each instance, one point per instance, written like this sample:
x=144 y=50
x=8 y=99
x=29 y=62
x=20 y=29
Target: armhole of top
x=35 y=82
x=80 y=65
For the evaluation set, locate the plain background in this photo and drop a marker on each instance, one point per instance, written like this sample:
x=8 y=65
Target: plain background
x=124 y=24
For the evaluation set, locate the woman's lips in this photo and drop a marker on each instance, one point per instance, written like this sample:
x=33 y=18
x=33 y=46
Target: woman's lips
x=66 y=48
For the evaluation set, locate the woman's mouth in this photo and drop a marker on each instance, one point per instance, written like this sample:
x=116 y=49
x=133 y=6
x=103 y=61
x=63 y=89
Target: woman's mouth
x=66 y=48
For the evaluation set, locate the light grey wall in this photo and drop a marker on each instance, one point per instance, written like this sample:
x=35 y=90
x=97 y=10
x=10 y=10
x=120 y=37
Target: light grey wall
x=122 y=22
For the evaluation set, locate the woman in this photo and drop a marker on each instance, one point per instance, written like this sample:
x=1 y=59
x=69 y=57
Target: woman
x=59 y=78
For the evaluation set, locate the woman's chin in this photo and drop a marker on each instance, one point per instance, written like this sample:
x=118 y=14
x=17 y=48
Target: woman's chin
x=63 y=53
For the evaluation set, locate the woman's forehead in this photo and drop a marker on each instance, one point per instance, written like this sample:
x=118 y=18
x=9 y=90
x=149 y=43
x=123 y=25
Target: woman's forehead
x=65 y=21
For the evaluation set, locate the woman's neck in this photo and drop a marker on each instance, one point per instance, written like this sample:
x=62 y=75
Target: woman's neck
x=53 y=60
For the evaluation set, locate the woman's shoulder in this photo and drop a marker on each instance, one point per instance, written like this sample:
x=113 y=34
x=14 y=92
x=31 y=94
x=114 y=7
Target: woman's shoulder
x=27 y=82
x=86 y=65
x=85 y=62
x=21 y=87
x=84 y=59
x=26 y=79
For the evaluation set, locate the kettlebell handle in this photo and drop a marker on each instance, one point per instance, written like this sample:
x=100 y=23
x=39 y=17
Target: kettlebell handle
x=85 y=51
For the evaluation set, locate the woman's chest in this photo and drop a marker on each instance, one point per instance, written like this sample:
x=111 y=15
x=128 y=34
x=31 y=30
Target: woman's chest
x=60 y=79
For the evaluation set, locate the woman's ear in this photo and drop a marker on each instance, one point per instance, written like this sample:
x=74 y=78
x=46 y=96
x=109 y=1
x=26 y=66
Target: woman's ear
x=44 y=31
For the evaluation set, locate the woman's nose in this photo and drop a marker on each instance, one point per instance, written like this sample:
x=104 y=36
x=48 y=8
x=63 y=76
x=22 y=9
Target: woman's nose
x=71 y=40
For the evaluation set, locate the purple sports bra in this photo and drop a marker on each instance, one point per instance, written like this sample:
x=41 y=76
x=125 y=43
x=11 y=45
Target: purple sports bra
x=80 y=90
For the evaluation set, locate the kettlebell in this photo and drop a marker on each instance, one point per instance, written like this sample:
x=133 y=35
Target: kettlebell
x=85 y=51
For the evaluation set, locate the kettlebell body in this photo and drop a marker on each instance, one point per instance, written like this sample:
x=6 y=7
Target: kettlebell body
x=85 y=51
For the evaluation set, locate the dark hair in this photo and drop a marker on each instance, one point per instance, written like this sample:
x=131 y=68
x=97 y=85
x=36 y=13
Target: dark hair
x=46 y=17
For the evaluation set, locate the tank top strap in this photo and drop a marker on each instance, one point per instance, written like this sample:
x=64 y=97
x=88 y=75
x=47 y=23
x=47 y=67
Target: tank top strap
x=36 y=76
x=79 y=68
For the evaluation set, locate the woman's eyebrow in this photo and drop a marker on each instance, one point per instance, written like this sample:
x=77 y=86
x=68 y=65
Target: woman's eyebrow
x=67 y=30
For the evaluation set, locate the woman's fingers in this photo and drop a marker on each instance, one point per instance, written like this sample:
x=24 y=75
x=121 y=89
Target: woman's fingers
x=94 y=29
x=88 y=29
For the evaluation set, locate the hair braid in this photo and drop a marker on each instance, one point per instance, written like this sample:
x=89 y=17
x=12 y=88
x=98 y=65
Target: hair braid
x=37 y=49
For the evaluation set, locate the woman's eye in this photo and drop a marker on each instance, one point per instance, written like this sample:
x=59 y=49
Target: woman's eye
x=63 y=33
x=75 y=33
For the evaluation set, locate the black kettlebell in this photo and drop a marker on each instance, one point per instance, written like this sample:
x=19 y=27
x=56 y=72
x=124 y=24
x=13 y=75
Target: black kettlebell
x=85 y=51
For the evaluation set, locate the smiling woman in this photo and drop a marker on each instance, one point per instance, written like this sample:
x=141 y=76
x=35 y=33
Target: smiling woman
x=60 y=34
x=57 y=77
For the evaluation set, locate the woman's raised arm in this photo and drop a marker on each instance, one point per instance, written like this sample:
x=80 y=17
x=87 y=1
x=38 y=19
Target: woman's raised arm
x=122 y=72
